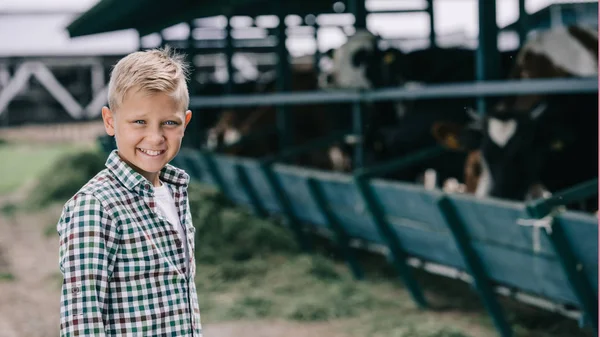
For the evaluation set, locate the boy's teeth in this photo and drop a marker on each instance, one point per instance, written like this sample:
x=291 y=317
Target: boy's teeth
x=150 y=152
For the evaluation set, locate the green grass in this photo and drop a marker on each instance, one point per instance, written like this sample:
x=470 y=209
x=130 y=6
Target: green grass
x=23 y=162
x=7 y=277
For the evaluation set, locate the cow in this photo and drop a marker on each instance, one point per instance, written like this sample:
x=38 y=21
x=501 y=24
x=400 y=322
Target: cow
x=397 y=128
x=206 y=117
x=529 y=146
x=309 y=122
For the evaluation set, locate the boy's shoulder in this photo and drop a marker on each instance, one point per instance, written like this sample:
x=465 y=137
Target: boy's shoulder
x=100 y=187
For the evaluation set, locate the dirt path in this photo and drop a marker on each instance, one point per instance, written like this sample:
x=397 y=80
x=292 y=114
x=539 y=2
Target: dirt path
x=272 y=329
x=30 y=301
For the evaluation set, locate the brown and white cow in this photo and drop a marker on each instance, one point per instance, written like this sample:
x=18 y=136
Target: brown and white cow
x=309 y=122
x=529 y=146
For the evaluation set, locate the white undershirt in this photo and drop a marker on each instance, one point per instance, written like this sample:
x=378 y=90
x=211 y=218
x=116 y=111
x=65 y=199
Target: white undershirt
x=166 y=205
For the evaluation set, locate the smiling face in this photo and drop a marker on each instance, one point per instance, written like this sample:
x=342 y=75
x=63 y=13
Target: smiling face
x=148 y=130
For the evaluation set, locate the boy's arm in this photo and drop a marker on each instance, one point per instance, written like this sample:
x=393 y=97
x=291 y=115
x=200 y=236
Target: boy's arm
x=88 y=245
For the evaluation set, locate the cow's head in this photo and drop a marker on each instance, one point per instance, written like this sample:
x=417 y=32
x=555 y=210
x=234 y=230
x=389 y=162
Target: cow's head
x=515 y=140
x=560 y=52
x=225 y=132
x=360 y=64
x=350 y=62
x=506 y=151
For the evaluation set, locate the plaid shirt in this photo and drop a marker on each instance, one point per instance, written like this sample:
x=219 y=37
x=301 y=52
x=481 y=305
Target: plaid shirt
x=123 y=264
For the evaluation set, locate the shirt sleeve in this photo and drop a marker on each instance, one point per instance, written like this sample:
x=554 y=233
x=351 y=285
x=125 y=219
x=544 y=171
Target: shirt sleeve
x=88 y=245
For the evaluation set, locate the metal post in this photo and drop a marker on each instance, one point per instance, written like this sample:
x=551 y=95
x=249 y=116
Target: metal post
x=140 y=46
x=397 y=252
x=163 y=40
x=432 y=38
x=286 y=207
x=475 y=266
x=523 y=24
x=253 y=196
x=214 y=172
x=343 y=239
x=358 y=131
x=357 y=8
x=488 y=58
x=229 y=56
x=192 y=166
x=283 y=80
x=573 y=269
x=194 y=130
x=317 y=56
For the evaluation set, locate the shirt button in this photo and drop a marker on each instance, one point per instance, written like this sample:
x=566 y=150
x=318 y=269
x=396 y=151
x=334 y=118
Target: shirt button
x=75 y=290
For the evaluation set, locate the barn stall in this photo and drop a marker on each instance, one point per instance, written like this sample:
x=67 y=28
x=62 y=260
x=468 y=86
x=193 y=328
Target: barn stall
x=535 y=251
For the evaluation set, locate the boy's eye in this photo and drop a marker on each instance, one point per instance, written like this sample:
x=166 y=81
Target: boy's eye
x=139 y=121
x=171 y=123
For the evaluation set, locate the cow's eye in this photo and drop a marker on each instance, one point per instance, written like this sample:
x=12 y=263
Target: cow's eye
x=557 y=145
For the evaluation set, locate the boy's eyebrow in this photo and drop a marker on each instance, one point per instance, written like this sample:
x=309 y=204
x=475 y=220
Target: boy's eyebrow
x=175 y=115
x=138 y=115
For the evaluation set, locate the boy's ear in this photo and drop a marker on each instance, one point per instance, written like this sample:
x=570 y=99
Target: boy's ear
x=109 y=122
x=188 y=117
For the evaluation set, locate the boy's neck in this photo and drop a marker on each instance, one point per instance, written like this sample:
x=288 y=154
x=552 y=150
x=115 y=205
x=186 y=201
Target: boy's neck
x=155 y=181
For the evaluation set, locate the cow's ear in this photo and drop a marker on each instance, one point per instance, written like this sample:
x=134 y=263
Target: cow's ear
x=389 y=57
x=392 y=55
x=448 y=135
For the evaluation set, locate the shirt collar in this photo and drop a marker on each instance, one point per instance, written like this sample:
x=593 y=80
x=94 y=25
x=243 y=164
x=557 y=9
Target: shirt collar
x=134 y=180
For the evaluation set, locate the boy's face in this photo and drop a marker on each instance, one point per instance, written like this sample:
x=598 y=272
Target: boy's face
x=148 y=130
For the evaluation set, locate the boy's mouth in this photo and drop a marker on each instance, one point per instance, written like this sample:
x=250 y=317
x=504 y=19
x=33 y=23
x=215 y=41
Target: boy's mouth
x=152 y=153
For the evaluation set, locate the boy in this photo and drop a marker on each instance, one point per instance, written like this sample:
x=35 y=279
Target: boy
x=126 y=238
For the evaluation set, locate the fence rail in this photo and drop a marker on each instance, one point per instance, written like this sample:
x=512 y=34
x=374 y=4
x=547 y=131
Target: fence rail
x=449 y=90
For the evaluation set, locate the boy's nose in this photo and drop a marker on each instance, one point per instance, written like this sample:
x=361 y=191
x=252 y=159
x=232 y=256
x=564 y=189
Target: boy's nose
x=156 y=136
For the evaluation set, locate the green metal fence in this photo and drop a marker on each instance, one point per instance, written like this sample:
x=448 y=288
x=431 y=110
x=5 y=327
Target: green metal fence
x=522 y=246
x=535 y=248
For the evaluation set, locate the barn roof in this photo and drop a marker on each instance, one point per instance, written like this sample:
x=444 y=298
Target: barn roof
x=560 y=14
x=151 y=16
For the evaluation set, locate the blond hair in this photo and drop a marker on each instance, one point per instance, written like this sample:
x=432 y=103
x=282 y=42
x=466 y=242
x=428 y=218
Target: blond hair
x=151 y=71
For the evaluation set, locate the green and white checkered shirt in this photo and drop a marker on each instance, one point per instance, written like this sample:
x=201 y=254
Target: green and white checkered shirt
x=123 y=263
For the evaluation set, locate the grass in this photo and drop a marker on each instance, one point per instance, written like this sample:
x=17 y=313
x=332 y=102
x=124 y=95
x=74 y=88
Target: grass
x=244 y=272
x=7 y=277
x=23 y=162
